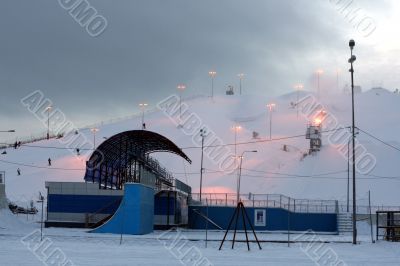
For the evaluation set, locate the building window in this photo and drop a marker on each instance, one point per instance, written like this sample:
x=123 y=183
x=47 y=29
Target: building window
x=259 y=217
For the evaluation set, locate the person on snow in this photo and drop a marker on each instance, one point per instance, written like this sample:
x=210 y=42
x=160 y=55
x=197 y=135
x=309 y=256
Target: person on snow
x=19 y=171
x=49 y=160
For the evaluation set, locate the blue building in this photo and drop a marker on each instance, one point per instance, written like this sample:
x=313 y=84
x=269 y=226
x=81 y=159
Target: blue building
x=126 y=190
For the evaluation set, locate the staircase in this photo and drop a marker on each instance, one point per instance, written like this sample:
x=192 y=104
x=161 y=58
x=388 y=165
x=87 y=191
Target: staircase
x=345 y=222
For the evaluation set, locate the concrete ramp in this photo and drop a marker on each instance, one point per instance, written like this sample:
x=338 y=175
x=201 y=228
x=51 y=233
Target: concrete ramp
x=135 y=215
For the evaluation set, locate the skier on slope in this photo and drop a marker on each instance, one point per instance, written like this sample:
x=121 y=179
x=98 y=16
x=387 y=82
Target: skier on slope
x=49 y=160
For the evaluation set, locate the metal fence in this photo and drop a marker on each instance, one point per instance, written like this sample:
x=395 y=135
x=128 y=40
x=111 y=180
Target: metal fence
x=284 y=202
x=364 y=209
x=267 y=200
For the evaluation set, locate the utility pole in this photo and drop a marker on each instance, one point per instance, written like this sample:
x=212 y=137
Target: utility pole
x=202 y=134
x=351 y=61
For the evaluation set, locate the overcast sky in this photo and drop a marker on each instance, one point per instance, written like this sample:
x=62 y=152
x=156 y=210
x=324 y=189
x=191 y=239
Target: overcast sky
x=150 y=46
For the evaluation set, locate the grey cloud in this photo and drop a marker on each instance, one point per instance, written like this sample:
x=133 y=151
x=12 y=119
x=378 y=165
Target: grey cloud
x=150 y=46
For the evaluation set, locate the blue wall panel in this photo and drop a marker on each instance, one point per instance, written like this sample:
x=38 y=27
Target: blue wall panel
x=276 y=219
x=83 y=203
x=163 y=204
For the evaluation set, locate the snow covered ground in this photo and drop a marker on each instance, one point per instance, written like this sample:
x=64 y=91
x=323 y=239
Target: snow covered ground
x=20 y=245
x=270 y=170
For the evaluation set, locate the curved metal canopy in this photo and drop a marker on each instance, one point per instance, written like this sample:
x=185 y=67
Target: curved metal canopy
x=136 y=143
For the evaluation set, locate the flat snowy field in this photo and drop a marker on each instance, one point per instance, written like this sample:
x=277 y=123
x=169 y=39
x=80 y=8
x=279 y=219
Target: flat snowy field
x=20 y=245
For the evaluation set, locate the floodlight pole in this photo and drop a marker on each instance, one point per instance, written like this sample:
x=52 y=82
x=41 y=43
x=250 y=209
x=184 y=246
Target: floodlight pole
x=241 y=76
x=239 y=176
x=212 y=74
x=142 y=107
x=94 y=130
x=271 y=107
x=202 y=134
x=48 y=121
x=351 y=60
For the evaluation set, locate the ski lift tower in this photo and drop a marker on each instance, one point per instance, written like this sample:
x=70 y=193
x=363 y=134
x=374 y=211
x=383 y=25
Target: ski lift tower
x=314 y=133
x=230 y=90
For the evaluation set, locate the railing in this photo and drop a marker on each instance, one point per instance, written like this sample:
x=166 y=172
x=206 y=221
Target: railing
x=364 y=209
x=267 y=200
x=26 y=140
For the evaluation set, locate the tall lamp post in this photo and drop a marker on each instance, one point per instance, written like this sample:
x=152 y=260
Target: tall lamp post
x=241 y=77
x=181 y=88
x=94 y=131
x=202 y=135
x=319 y=72
x=239 y=176
x=143 y=107
x=236 y=128
x=298 y=87
x=351 y=61
x=48 y=108
x=212 y=74
x=348 y=176
x=271 y=107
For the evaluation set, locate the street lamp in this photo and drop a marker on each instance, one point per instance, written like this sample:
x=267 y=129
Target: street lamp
x=241 y=77
x=48 y=108
x=319 y=72
x=348 y=176
x=181 y=88
x=298 y=87
x=351 y=61
x=240 y=174
x=202 y=135
x=212 y=74
x=236 y=128
x=271 y=108
x=94 y=131
x=143 y=107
